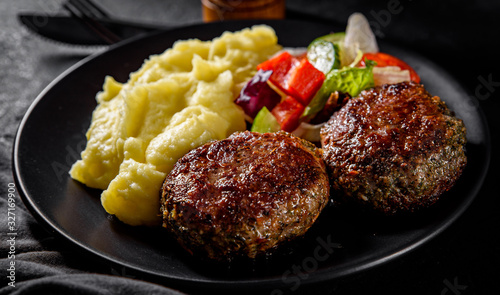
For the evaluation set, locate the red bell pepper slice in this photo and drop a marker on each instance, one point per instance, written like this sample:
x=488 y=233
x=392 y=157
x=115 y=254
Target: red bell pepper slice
x=288 y=113
x=384 y=60
x=304 y=81
x=281 y=66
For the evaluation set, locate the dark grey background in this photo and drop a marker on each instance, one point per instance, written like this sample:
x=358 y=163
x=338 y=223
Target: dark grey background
x=461 y=36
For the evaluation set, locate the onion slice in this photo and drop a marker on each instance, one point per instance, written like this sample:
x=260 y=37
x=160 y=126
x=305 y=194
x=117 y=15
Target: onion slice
x=309 y=132
x=358 y=36
x=390 y=75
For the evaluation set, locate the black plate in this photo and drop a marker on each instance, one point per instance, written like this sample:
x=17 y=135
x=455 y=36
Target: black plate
x=51 y=137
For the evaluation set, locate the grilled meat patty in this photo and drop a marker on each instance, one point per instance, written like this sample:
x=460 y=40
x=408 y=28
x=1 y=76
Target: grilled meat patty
x=394 y=148
x=244 y=195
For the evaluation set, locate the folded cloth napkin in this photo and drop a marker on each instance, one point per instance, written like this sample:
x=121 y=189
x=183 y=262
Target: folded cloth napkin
x=86 y=284
x=38 y=263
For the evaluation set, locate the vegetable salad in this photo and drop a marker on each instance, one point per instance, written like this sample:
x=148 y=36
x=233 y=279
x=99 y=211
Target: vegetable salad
x=299 y=92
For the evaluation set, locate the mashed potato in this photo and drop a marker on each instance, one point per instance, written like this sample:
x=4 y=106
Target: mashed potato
x=175 y=102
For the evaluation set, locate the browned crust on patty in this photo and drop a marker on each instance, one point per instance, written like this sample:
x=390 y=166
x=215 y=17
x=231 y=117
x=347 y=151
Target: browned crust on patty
x=244 y=195
x=394 y=148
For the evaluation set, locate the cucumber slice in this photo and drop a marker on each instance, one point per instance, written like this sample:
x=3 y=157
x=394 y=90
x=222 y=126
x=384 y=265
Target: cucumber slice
x=334 y=37
x=265 y=122
x=323 y=55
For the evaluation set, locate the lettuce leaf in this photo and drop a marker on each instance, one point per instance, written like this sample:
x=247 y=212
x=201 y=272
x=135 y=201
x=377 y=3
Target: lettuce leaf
x=346 y=80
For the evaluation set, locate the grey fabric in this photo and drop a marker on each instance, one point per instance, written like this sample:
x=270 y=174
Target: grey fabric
x=46 y=265
x=86 y=284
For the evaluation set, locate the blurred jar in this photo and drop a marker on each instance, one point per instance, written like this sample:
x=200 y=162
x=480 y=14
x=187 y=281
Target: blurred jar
x=218 y=10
